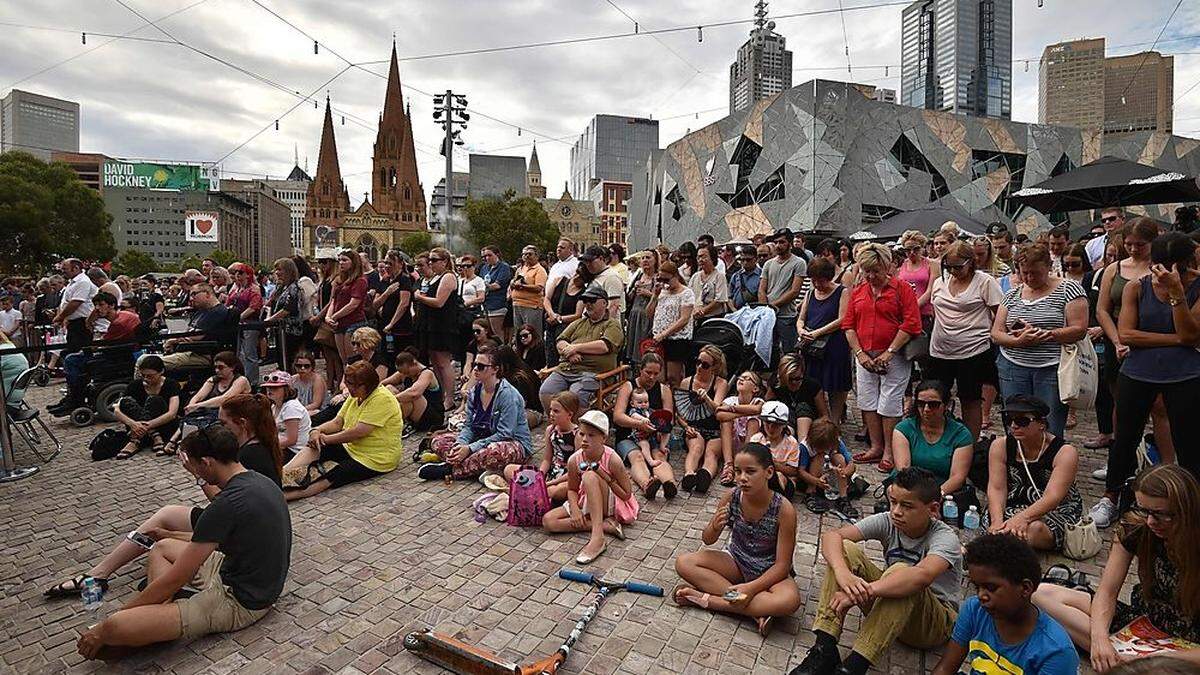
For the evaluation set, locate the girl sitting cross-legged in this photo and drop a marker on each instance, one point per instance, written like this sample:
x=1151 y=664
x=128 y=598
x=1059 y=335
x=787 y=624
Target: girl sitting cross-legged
x=753 y=575
x=561 y=430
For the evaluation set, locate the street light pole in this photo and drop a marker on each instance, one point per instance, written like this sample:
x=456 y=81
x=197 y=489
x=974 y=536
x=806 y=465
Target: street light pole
x=450 y=109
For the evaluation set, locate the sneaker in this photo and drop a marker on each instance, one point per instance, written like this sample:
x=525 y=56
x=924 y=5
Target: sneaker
x=818 y=503
x=820 y=660
x=847 y=508
x=434 y=471
x=1100 y=474
x=1104 y=513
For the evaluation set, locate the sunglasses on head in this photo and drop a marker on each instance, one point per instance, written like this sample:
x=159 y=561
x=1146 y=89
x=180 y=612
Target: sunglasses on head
x=276 y=379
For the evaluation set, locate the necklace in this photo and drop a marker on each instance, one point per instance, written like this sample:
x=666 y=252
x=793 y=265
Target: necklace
x=1025 y=456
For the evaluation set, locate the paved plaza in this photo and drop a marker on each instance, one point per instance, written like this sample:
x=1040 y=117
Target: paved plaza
x=374 y=561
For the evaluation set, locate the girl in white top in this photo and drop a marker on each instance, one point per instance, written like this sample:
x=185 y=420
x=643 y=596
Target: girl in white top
x=291 y=417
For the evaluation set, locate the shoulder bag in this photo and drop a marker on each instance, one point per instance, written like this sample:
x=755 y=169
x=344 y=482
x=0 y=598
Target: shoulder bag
x=1081 y=540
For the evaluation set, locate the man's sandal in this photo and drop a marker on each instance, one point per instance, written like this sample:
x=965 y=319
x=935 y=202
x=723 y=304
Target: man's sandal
x=71 y=588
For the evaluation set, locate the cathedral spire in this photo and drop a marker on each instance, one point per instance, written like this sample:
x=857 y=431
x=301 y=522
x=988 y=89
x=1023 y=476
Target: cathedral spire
x=393 y=101
x=327 y=159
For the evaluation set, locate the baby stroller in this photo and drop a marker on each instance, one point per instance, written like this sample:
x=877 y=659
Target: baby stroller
x=726 y=336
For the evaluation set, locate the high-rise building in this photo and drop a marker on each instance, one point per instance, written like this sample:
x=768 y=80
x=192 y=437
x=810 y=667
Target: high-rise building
x=270 y=219
x=956 y=56
x=1138 y=93
x=612 y=147
x=154 y=220
x=611 y=200
x=89 y=166
x=1071 y=84
x=763 y=67
x=437 y=201
x=38 y=124
x=293 y=191
x=533 y=176
x=1079 y=87
x=494 y=175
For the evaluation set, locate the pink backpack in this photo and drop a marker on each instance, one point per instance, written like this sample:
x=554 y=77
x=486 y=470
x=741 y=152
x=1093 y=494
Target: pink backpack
x=528 y=500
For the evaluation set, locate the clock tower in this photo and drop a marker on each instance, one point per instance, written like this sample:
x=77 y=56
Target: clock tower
x=576 y=219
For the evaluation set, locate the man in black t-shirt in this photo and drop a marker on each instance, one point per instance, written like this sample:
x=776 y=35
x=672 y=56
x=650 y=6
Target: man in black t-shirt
x=240 y=548
x=213 y=320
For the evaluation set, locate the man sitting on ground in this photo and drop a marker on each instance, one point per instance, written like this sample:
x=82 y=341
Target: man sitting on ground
x=248 y=521
x=122 y=325
x=586 y=347
x=915 y=599
x=214 y=321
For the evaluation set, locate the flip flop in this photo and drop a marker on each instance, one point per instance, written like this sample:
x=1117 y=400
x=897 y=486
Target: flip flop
x=865 y=457
x=727 y=475
x=765 y=623
x=886 y=465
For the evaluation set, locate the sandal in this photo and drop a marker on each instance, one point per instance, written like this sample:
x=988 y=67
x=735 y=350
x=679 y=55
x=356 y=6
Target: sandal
x=126 y=453
x=1096 y=444
x=727 y=475
x=866 y=457
x=683 y=601
x=61 y=590
x=169 y=449
x=765 y=623
x=886 y=465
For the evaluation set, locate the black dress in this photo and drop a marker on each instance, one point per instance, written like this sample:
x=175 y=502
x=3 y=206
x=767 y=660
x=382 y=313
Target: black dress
x=437 y=330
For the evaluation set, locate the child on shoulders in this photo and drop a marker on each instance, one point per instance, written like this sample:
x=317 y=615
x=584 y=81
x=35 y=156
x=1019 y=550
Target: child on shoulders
x=752 y=576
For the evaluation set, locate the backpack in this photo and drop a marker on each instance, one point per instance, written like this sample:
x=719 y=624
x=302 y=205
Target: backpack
x=528 y=500
x=107 y=444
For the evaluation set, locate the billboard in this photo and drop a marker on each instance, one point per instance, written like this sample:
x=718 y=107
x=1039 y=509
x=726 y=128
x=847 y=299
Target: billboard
x=154 y=176
x=201 y=226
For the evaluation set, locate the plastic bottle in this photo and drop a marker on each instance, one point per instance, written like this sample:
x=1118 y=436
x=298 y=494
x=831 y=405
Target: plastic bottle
x=949 y=511
x=1152 y=449
x=92 y=594
x=971 y=519
x=831 y=480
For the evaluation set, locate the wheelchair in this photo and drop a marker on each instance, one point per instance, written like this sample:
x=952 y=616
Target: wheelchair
x=108 y=375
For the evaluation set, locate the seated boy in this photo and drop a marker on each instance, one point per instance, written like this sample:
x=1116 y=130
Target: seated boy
x=824 y=438
x=914 y=599
x=1000 y=630
x=248 y=521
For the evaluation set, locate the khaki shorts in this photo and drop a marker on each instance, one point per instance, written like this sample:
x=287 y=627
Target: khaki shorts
x=213 y=609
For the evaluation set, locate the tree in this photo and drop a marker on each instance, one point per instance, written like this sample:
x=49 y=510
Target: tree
x=192 y=262
x=223 y=258
x=134 y=263
x=47 y=214
x=510 y=224
x=415 y=243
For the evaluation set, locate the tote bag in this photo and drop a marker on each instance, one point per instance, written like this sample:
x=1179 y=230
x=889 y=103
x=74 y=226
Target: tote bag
x=1078 y=374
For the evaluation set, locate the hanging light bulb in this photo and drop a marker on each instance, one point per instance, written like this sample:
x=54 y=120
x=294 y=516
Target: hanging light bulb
x=885 y=71
x=699 y=33
x=315 y=107
x=276 y=125
x=1027 y=66
x=518 y=131
x=315 y=49
x=85 y=38
x=343 y=120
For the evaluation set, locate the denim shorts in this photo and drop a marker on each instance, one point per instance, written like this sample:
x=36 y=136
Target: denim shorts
x=351 y=328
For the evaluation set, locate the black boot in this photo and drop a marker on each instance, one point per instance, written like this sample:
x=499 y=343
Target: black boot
x=822 y=659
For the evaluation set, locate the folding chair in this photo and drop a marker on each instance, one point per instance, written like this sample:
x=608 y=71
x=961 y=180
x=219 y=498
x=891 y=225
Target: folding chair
x=23 y=417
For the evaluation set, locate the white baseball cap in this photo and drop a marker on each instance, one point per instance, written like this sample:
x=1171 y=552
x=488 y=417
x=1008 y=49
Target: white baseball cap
x=597 y=419
x=774 y=411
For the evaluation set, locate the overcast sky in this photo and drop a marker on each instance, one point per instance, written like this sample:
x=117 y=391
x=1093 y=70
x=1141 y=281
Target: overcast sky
x=145 y=99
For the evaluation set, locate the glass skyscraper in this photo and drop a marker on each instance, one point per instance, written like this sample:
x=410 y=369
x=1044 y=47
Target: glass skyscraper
x=956 y=56
x=613 y=147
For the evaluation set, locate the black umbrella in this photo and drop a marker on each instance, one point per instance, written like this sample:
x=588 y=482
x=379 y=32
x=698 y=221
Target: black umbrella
x=924 y=220
x=1109 y=181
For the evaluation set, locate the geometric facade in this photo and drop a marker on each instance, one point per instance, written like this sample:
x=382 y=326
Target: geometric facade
x=823 y=157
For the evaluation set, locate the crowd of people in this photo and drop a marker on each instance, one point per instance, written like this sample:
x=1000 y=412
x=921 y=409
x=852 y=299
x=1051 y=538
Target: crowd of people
x=933 y=334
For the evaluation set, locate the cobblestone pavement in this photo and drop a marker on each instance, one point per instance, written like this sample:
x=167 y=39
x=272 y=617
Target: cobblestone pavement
x=376 y=560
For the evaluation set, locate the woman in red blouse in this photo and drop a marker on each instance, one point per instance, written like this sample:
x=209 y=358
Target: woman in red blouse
x=881 y=317
x=345 y=312
x=246 y=299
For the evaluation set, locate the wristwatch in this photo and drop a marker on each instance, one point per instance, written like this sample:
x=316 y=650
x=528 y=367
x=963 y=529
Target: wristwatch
x=891 y=351
x=1174 y=301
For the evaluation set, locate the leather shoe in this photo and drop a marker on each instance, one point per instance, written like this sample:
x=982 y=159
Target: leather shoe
x=820 y=660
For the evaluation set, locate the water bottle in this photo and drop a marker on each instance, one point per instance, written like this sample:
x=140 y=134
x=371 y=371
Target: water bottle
x=949 y=510
x=831 y=480
x=1152 y=449
x=971 y=519
x=92 y=594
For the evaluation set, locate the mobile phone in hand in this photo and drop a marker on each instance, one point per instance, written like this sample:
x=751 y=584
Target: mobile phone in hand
x=141 y=539
x=1019 y=324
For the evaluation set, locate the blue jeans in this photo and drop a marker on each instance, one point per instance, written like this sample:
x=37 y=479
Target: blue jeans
x=786 y=334
x=75 y=367
x=1040 y=383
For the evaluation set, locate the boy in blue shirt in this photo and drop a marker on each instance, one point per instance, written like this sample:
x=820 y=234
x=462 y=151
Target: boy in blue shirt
x=1000 y=630
x=824 y=438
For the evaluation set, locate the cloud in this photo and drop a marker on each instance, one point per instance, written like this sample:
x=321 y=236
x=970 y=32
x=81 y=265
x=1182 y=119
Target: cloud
x=154 y=100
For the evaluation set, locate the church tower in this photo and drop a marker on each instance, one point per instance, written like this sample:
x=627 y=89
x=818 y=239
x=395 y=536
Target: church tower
x=395 y=187
x=533 y=177
x=327 y=201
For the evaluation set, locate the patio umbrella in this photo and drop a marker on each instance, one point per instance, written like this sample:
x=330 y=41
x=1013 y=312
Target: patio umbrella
x=923 y=220
x=1109 y=181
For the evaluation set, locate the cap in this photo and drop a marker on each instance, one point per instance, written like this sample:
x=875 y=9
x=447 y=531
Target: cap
x=997 y=229
x=278 y=378
x=592 y=252
x=596 y=419
x=782 y=232
x=1023 y=403
x=774 y=411
x=662 y=420
x=593 y=293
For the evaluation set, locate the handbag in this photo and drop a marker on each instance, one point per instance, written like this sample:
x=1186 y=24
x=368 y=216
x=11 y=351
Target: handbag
x=1078 y=374
x=815 y=349
x=1081 y=539
x=917 y=348
x=528 y=499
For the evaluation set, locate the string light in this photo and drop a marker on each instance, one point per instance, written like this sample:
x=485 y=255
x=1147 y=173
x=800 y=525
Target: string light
x=699 y=33
x=276 y=125
x=85 y=38
x=315 y=48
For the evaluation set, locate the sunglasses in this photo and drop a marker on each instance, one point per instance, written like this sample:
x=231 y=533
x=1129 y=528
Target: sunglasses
x=478 y=331
x=1109 y=219
x=276 y=379
x=704 y=364
x=1022 y=421
x=355 y=343
x=303 y=366
x=928 y=404
x=482 y=366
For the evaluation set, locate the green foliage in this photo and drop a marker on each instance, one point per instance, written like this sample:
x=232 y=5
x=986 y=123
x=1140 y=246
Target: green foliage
x=222 y=257
x=510 y=224
x=415 y=243
x=47 y=214
x=134 y=263
x=191 y=262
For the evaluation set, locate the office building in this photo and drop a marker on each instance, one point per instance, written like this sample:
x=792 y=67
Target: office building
x=494 y=175
x=612 y=147
x=437 y=201
x=956 y=56
x=610 y=199
x=38 y=124
x=1078 y=86
x=88 y=166
x=153 y=221
x=1071 y=84
x=1139 y=92
x=270 y=219
x=763 y=67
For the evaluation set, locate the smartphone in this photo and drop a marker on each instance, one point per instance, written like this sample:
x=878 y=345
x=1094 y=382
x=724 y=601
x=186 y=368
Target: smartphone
x=733 y=596
x=140 y=539
x=1019 y=324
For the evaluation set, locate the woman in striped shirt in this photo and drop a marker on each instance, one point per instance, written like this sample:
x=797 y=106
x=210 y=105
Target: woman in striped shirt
x=1032 y=323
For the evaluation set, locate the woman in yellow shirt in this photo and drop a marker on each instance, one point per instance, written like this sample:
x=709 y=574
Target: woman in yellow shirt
x=364 y=438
